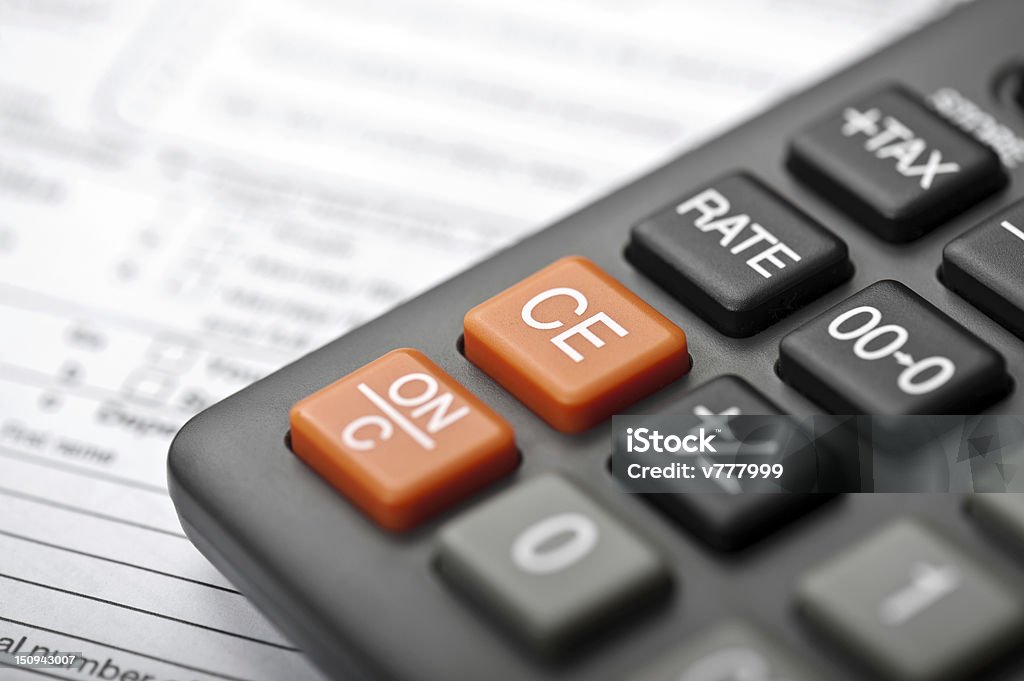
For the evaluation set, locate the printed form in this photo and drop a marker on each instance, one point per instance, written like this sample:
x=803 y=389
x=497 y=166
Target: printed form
x=193 y=193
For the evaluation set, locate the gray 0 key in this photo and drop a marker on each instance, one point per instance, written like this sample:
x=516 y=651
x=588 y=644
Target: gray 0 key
x=730 y=652
x=549 y=562
x=1001 y=514
x=913 y=607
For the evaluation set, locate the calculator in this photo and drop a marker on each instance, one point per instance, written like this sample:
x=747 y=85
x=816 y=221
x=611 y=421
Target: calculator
x=429 y=497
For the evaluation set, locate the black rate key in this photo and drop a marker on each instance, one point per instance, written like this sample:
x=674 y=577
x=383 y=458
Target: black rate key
x=894 y=164
x=738 y=254
x=986 y=267
x=886 y=350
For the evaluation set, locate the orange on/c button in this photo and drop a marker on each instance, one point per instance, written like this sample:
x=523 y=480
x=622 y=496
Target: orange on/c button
x=402 y=439
x=574 y=345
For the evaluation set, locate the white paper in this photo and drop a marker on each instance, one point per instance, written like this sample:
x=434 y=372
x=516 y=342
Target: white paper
x=194 y=192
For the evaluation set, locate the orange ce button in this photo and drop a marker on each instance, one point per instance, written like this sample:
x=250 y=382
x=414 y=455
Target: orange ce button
x=574 y=345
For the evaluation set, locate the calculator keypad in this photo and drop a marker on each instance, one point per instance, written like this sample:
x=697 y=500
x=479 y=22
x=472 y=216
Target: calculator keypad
x=738 y=254
x=894 y=164
x=402 y=439
x=574 y=345
x=549 y=562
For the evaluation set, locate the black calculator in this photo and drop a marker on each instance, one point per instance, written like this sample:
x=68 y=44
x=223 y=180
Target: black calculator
x=429 y=497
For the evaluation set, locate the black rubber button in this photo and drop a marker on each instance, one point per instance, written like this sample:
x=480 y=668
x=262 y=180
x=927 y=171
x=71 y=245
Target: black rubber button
x=986 y=266
x=886 y=350
x=894 y=164
x=738 y=254
x=727 y=518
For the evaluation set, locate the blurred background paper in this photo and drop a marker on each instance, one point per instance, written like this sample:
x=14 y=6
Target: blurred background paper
x=193 y=193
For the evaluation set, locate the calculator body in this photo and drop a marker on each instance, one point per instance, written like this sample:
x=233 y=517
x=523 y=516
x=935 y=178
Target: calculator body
x=364 y=603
